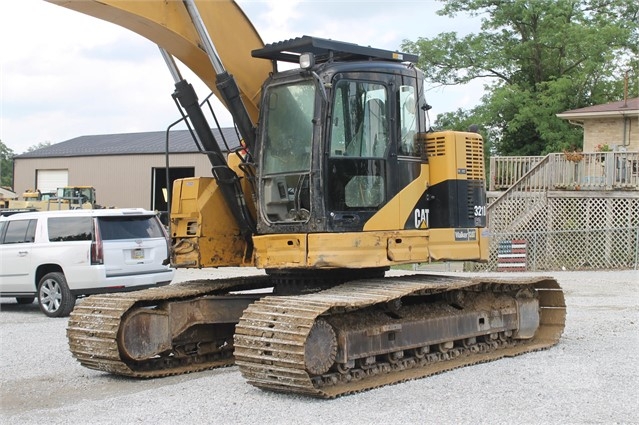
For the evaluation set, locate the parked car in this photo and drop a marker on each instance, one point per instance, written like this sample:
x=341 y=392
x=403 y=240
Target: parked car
x=58 y=256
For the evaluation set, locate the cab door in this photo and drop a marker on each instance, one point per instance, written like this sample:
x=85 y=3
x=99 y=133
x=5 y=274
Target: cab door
x=359 y=149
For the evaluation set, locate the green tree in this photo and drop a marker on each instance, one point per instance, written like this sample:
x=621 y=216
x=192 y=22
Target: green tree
x=539 y=58
x=38 y=146
x=6 y=165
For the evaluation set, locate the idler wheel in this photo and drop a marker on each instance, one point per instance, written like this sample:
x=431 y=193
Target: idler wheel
x=321 y=348
x=144 y=333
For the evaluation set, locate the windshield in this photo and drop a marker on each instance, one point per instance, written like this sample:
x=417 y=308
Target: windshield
x=130 y=227
x=286 y=152
x=289 y=127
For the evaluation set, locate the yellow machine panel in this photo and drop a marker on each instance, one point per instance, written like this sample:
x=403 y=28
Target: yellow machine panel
x=393 y=215
x=280 y=250
x=454 y=155
x=453 y=244
x=369 y=249
x=203 y=231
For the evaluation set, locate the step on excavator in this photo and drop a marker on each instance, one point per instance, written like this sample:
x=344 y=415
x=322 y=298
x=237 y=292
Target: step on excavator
x=336 y=180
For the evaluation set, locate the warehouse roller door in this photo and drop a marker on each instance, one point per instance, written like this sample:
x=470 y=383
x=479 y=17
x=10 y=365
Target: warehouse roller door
x=51 y=180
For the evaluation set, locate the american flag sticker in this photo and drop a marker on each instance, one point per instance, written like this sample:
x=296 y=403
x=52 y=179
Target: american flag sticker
x=511 y=256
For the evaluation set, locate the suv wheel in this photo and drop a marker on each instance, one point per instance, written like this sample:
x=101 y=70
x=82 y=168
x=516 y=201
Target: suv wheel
x=54 y=296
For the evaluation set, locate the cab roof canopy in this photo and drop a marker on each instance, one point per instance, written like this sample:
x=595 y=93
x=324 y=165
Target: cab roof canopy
x=325 y=50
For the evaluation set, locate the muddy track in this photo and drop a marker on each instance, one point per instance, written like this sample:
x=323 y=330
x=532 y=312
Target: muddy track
x=270 y=344
x=93 y=328
x=271 y=337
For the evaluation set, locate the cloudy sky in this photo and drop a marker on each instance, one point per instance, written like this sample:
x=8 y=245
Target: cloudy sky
x=64 y=74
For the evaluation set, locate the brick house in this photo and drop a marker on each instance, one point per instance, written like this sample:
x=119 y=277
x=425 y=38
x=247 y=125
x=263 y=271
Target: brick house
x=615 y=124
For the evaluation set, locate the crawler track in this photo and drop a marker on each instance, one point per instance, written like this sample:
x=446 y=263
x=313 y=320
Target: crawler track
x=271 y=344
x=94 y=325
x=272 y=335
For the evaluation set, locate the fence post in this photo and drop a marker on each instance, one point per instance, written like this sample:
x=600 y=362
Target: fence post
x=534 y=252
x=637 y=249
x=492 y=174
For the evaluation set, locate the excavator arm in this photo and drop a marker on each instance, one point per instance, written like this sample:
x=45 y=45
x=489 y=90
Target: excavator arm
x=214 y=39
x=168 y=24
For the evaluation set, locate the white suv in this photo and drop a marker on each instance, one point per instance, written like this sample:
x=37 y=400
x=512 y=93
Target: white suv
x=61 y=255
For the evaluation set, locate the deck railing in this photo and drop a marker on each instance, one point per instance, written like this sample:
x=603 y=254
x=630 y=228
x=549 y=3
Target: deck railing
x=506 y=170
x=576 y=171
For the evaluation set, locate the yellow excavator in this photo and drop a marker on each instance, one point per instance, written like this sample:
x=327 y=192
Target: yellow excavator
x=337 y=180
x=65 y=198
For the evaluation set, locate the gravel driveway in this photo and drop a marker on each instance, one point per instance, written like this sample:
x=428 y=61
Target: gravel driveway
x=591 y=376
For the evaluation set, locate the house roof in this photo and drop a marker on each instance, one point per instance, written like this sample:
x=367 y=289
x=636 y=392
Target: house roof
x=180 y=141
x=629 y=107
x=6 y=193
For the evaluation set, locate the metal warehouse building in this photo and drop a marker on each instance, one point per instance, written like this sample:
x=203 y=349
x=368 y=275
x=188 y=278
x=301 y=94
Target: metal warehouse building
x=127 y=170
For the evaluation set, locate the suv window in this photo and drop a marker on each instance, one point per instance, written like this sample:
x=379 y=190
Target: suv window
x=20 y=231
x=63 y=229
x=138 y=227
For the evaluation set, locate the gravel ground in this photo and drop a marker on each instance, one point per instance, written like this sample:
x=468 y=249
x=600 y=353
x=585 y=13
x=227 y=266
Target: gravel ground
x=589 y=377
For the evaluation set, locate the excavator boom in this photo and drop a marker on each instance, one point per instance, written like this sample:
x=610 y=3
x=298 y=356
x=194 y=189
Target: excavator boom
x=168 y=24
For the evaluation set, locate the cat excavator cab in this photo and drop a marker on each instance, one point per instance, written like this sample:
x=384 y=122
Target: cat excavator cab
x=337 y=179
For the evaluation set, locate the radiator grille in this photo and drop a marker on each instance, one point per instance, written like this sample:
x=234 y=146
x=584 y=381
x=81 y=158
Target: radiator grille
x=474 y=158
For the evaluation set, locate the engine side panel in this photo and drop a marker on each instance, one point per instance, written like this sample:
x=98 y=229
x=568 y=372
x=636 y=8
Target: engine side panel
x=368 y=249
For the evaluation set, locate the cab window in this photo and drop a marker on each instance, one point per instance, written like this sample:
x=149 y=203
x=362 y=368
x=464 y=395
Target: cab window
x=359 y=145
x=63 y=229
x=20 y=231
x=407 y=121
x=360 y=128
x=288 y=125
x=289 y=128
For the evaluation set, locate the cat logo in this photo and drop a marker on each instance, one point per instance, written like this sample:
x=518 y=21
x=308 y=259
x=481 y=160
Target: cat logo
x=421 y=218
